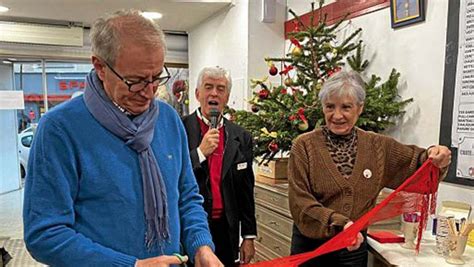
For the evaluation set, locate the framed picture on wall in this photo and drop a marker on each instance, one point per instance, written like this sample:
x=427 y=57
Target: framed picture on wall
x=404 y=12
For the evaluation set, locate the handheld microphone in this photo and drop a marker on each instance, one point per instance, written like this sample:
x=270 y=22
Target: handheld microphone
x=214 y=115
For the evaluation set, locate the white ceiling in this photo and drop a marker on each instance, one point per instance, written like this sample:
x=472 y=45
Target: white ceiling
x=178 y=15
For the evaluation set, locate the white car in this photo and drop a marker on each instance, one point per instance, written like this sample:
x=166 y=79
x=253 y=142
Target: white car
x=25 y=138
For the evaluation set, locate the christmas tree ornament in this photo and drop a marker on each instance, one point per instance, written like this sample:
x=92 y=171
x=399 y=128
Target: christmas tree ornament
x=295 y=42
x=258 y=82
x=254 y=108
x=288 y=82
x=303 y=126
x=327 y=46
x=273 y=146
x=273 y=70
x=263 y=94
x=286 y=69
x=296 y=52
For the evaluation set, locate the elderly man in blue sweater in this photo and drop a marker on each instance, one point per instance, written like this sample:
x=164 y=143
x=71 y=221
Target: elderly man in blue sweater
x=109 y=178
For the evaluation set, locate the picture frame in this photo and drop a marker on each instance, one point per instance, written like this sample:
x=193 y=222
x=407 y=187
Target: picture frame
x=405 y=12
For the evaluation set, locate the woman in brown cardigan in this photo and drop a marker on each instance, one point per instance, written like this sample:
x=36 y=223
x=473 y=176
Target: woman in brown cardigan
x=336 y=172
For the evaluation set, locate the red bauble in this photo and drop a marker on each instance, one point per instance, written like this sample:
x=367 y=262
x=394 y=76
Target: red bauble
x=254 y=108
x=263 y=94
x=273 y=70
x=283 y=91
x=273 y=146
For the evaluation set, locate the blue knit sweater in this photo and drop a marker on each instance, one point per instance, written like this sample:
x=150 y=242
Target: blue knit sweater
x=84 y=198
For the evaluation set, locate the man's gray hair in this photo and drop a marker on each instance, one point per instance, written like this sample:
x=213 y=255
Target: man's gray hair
x=344 y=83
x=215 y=73
x=109 y=32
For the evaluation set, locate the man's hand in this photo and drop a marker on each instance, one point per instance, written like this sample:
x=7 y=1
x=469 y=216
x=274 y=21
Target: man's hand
x=161 y=261
x=247 y=251
x=440 y=155
x=357 y=242
x=209 y=142
x=206 y=258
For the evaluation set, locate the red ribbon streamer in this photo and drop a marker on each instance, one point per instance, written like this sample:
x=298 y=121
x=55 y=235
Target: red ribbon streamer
x=286 y=69
x=416 y=194
x=295 y=42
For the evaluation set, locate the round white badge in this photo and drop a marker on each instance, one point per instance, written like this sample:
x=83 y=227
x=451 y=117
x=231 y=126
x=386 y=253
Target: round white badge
x=367 y=173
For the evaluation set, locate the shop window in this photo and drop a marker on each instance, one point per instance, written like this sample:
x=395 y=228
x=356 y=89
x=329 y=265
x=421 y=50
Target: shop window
x=63 y=80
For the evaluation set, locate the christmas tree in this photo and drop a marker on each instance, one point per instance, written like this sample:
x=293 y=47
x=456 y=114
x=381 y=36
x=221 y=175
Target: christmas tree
x=279 y=113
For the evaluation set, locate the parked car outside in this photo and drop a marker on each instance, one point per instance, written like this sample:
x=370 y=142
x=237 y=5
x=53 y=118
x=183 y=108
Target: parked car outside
x=25 y=138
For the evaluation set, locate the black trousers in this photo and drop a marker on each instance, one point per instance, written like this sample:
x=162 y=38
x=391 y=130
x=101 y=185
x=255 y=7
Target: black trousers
x=343 y=257
x=220 y=236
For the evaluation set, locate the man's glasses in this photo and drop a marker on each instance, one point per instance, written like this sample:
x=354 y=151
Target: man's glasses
x=137 y=86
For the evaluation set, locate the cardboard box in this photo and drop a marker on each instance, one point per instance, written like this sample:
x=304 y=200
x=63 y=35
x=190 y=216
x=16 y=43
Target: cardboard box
x=274 y=169
x=456 y=209
x=271 y=181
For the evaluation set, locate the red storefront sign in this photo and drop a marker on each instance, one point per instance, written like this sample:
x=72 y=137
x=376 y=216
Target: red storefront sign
x=72 y=84
x=53 y=98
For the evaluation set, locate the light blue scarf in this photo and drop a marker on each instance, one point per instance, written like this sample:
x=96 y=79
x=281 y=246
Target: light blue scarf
x=137 y=134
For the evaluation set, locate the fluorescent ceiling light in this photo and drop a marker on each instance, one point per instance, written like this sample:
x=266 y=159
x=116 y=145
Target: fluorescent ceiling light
x=4 y=9
x=152 y=15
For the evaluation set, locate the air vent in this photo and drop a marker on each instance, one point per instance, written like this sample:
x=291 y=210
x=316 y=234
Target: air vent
x=15 y=32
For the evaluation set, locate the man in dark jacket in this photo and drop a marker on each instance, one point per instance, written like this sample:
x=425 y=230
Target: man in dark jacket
x=221 y=155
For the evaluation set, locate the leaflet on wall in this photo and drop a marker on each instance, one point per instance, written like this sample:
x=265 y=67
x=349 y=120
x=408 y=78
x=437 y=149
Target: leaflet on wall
x=462 y=132
x=11 y=100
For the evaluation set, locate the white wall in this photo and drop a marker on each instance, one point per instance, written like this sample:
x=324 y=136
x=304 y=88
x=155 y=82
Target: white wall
x=417 y=52
x=222 y=41
x=236 y=39
x=265 y=40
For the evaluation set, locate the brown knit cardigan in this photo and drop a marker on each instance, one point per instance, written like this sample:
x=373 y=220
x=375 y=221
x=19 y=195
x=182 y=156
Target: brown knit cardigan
x=322 y=200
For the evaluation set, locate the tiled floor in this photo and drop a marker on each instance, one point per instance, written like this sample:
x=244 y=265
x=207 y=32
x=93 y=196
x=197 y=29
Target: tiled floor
x=11 y=229
x=11 y=223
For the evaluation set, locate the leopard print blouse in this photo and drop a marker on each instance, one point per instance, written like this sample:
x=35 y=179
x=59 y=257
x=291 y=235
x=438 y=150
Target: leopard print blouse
x=343 y=150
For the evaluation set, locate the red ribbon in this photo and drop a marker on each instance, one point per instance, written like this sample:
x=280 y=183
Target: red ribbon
x=295 y=42
x=286 y=69
x=416 y=194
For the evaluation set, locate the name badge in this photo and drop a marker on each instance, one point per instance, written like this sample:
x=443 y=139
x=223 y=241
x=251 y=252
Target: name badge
x=367 y=173
x=242 y=166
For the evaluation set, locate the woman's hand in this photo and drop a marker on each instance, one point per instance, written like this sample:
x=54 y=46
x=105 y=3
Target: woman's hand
x=357 y=241
x=440 y=155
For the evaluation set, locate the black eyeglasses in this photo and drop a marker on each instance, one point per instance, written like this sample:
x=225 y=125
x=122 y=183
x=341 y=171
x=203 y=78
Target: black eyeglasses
x=137 y=86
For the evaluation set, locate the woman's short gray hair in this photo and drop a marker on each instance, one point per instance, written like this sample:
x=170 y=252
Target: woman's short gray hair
x=109 y=32
x=344 y=83
x=215 y=73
